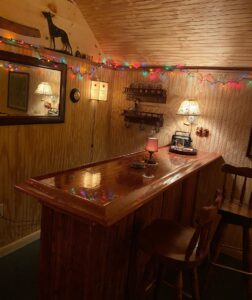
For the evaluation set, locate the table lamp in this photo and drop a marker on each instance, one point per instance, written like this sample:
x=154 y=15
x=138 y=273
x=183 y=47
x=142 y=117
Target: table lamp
x=151 y=147
x=44 y=89
x=189 y=108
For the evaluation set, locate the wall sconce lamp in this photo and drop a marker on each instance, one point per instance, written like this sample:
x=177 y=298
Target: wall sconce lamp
x=99 y=90
x=151 y=147
x=44 y=89
x=189 y=108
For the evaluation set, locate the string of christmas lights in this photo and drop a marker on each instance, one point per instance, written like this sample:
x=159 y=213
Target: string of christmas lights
x=77 y=72
x=151 y=73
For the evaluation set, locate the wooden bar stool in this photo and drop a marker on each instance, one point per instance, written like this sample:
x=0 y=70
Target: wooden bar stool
x=235 y=210
x=181 y=247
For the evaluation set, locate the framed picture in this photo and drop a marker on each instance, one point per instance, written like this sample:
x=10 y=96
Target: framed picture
x=249 y=151
x=18 y=90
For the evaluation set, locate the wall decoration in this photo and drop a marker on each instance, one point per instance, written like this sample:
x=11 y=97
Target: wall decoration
x=241 y=79
x=19 y=28
x=202 y=132
x=146 y=93
x=18 y=90
x=249 y=151
x=57 y=32
x=99 y=90
x=142 y=117
x=77 y=72
x=83 y=56
x=75 y=95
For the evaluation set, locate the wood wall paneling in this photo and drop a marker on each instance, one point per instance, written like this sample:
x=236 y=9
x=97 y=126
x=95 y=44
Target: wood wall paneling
x=225 y=111
x=30 y=150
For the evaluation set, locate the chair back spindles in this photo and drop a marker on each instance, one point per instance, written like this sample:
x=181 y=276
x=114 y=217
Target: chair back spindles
x=224 y=185
x=241 y=172
x=236 y=209
x=250 y=201
x=243 y=190
x=232 y=196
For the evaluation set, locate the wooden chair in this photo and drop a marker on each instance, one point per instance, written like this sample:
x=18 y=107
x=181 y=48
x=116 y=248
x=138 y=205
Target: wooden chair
x=182 y=247
x=235 y=210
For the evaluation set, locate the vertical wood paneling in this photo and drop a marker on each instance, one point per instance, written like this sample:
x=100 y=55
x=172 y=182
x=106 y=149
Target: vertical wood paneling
x=225 y=111
x=30 y=150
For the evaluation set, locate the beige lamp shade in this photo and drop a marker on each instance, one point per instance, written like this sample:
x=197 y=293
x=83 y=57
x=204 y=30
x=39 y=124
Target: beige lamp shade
x=189 y=107
x=44 y=88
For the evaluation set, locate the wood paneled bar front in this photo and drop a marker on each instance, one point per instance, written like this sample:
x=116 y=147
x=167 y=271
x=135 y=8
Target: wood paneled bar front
x=91 y=216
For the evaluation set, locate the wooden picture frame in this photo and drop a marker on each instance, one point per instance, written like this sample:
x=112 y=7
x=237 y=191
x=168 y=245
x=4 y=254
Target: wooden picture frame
x=18 y=90
x=249 y=151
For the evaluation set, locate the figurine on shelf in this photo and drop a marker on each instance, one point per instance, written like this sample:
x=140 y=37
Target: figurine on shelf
x=55 y=32
x=136 y=104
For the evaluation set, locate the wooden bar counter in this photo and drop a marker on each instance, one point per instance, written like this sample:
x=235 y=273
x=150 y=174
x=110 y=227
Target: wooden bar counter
x=91 y=216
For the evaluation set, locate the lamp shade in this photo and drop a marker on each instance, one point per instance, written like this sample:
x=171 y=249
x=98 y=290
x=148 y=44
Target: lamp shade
x=44 y=88
x=152 y=144
x=189 y=107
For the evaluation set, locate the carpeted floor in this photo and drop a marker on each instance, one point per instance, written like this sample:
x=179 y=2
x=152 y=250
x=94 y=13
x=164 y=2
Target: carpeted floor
x=19 y=279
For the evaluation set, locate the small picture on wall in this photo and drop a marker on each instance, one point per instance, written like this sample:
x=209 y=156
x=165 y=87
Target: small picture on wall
x=249 y=151
x=18 y=90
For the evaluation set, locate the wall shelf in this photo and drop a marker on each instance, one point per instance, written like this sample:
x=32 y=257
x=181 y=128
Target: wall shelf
x=146 y=94
x=141 y=117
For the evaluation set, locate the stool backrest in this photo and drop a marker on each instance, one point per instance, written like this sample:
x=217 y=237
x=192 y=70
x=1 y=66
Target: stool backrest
x=205 y=229
x=242 y=172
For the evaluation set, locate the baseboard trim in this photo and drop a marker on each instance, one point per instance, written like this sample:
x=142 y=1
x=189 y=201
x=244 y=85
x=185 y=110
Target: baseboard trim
x=5 y=250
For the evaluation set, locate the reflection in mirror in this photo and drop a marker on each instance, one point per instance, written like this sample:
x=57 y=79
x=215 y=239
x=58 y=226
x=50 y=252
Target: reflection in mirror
x=31 y=91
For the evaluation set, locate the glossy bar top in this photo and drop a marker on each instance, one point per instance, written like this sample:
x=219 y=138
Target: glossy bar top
x=107 y=191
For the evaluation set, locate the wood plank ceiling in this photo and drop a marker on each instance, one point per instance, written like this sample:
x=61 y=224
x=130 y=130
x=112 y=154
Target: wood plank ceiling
x=165 y=32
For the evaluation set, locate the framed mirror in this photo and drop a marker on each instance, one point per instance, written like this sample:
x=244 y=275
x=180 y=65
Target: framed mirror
x=32 y=91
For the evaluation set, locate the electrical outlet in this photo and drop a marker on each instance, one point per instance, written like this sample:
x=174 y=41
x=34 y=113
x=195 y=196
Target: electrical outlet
x=1 y=209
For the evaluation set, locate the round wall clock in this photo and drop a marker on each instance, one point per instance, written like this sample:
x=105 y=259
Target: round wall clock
x=75 y=95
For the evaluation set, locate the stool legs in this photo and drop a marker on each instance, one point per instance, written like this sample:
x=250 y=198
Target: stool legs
x=179 y=286
x=195 y=285
x=247 y=259
x=215 y=251
x=216 y=243
x=158 y=280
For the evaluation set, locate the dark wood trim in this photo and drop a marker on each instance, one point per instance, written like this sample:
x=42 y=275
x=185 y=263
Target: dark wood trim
x=110 y=210
x=19 y=28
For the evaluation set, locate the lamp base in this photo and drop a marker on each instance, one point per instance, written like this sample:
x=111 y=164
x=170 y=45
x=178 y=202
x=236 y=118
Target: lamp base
x=149 y=176
x=151 y=162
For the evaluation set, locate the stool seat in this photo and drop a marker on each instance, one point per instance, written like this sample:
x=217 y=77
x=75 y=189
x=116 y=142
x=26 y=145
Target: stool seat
x=168 y=240
x=235 y=208
x=182 y=247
